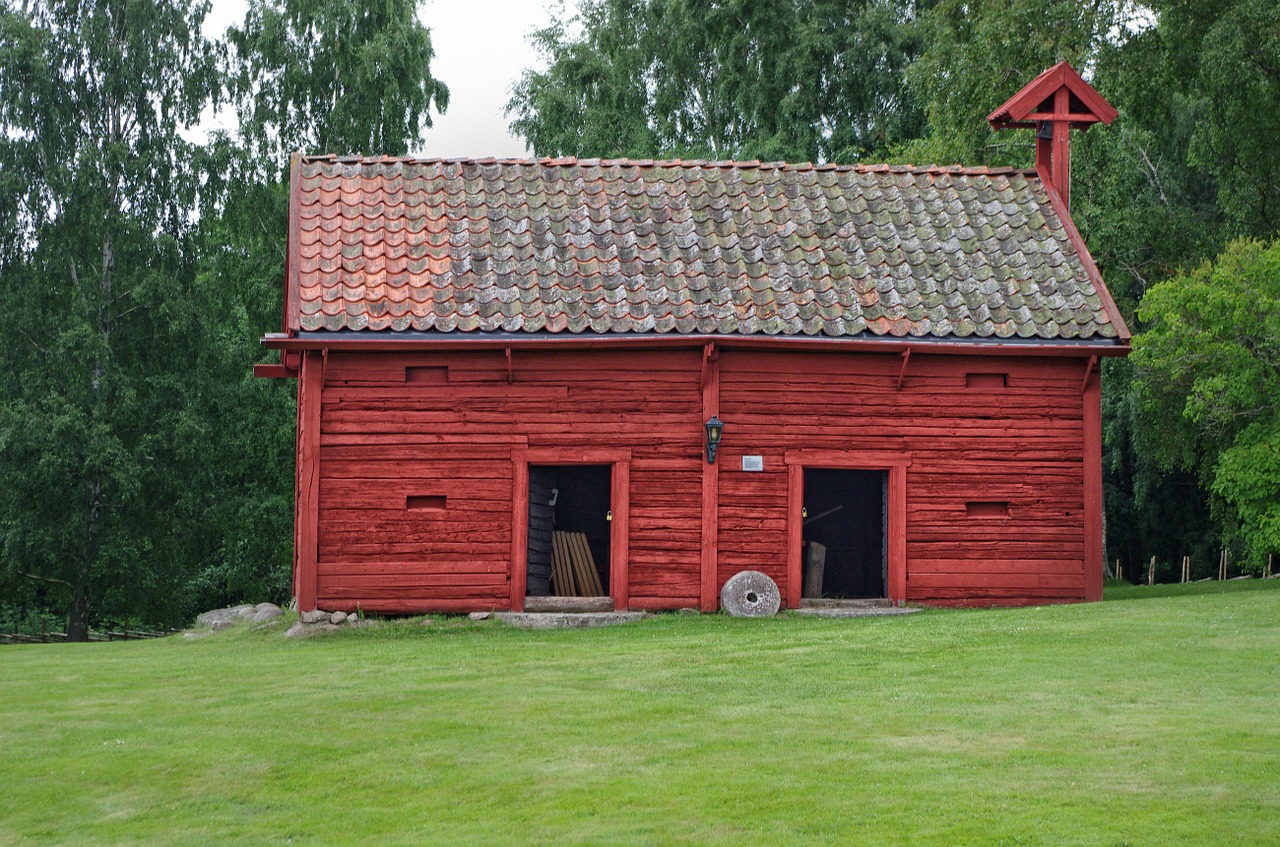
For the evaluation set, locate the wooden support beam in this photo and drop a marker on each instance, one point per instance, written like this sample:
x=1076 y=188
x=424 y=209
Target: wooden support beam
x=791 y=593
x=902 y=372
x=270 y=371
x=1093 y=504
x=1073 y=117
x=707 y=599
x=519 y=531
x=1088 y=371
x=620 y=535
x=307 y=490
x=1062 y=147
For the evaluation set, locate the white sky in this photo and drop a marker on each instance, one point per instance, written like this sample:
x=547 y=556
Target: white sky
x=481 y=49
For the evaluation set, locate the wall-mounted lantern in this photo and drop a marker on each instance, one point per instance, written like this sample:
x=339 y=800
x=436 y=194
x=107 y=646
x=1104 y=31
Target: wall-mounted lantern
x=715 y=428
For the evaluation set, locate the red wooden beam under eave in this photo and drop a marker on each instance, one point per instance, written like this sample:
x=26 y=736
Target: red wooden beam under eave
x=371 y=340
x=269 y=371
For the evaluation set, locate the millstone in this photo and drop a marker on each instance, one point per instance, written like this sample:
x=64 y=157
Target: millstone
x=750 y=594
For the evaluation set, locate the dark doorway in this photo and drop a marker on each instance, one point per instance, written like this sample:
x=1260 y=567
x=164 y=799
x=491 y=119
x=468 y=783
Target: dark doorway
x=844 y=554
x=572 y=499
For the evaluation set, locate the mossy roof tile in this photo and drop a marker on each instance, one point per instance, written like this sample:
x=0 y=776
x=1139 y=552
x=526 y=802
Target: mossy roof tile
x=619 y=246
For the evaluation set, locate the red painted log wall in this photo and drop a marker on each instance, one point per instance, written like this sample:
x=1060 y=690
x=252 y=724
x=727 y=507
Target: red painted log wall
x=387 y=435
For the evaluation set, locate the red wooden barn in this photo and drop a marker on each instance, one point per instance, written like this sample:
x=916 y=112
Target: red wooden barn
x=499 y=361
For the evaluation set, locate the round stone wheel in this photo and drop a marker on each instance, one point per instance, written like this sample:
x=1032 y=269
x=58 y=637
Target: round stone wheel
x=750 y=594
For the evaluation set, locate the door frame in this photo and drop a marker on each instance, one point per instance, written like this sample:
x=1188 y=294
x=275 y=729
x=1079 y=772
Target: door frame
x=619 y=461
x=895 y=464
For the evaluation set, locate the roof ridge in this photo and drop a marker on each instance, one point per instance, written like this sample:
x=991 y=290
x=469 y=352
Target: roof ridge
x=702 y=164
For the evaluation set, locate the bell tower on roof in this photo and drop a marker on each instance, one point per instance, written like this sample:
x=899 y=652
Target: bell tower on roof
x=1053 y=104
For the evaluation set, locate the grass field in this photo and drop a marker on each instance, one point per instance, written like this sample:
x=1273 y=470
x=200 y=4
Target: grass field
x=1149 y=720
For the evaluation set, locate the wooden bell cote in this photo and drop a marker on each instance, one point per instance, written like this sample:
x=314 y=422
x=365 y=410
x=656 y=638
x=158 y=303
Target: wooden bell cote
x=1053 y=104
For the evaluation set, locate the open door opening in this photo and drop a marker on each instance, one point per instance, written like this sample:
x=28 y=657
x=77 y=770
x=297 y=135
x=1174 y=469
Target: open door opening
x=845 y=552
x=569 y=531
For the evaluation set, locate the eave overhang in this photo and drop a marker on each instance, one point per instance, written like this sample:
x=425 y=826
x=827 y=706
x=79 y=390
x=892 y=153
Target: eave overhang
x=437 y=342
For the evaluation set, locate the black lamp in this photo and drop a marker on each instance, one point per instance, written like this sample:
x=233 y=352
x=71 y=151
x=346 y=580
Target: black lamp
x=715 y=428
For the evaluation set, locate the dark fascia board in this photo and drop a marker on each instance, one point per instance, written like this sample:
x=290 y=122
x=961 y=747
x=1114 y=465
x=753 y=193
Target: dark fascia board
x=413 y=340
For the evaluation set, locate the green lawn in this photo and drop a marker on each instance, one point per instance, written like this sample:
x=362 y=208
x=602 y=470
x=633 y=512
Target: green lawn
x=1152 y=722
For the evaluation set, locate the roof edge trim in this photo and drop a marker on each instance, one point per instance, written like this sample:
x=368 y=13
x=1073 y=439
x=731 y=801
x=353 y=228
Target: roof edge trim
x=706 y=164
x=1090 y=267
x=896 y=346
x=292 y=280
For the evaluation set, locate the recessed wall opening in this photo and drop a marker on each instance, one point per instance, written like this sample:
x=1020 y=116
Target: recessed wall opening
x=987 y=508
x=986 y=380
x=845 y=552
x=569 y=531
x=425 y=502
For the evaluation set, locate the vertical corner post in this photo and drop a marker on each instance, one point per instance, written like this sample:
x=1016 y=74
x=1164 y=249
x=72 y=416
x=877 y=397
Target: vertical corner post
x=1093 y=503
x=519 y=532
x=710 y=485
x=306 y=549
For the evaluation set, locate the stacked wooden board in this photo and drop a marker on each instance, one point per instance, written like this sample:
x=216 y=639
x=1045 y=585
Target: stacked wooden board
x=573 y=569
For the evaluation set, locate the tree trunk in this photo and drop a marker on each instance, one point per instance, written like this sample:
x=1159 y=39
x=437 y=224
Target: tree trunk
x=78 y=617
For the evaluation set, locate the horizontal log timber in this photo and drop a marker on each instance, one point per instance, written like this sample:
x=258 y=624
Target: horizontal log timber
x=967 y=595
x=984 y=580
x=439 y=538
x=463 y=589
x=662 y=604
x=432 y=552
x=411 y=606
x=674 y=588
x=373 y=567
x=922 y=565
x=426 y=584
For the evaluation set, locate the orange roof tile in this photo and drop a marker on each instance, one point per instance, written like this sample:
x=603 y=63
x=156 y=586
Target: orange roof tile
x=618 y=246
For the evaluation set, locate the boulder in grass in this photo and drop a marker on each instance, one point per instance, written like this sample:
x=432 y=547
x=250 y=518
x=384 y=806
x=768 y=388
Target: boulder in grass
x=267 y=612
x=213 y=616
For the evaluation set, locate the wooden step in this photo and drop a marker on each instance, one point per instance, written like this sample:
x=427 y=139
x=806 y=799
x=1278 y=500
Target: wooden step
x=568 y=604
x=852 y=603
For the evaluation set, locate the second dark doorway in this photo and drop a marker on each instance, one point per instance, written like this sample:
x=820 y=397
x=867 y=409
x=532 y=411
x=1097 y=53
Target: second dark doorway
x=844 y=555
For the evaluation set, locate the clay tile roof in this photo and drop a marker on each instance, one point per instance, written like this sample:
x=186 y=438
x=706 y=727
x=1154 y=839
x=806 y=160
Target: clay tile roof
x=742 y=248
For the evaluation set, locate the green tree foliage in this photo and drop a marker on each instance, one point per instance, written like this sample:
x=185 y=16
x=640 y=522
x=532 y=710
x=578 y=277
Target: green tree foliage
x=977 y=55
x=1161 y=190
x=795 y=79
x=1209 y=383
x=93 y=97
x=1224 y=56
x=143 y=471
x=333 y=76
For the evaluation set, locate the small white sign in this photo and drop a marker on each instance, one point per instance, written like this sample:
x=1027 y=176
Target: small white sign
x=753 y=463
